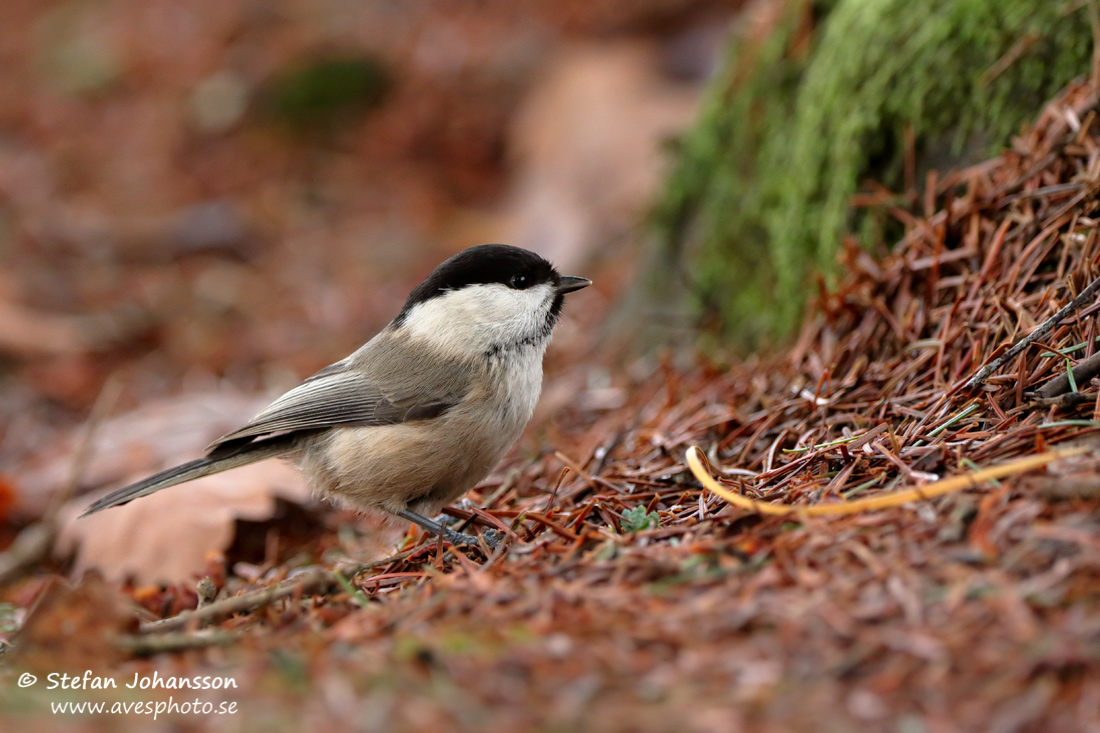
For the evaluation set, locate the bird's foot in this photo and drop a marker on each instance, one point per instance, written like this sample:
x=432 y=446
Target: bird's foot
x=491 y=537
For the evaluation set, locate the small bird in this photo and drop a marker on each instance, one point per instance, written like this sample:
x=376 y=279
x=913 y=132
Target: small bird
x=424 y=410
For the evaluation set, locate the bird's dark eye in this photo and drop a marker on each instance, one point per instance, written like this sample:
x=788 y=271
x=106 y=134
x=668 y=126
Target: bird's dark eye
x=519 y=282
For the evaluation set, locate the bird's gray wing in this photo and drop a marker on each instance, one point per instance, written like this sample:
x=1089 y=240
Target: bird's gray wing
x=342 y=395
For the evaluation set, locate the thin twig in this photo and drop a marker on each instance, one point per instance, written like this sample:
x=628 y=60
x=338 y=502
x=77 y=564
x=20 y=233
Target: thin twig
x=35 y=541
x=1081 y=374
x=85 y=447
x=314 y=581
x=1011 y=56
x=1043 y=329
x=147 y=645
x=30 y=546
x=1065 y=401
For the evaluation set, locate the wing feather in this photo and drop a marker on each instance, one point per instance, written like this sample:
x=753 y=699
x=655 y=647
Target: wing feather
x=340 y=395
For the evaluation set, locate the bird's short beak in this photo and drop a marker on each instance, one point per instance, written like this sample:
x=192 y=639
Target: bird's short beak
x=569 y=283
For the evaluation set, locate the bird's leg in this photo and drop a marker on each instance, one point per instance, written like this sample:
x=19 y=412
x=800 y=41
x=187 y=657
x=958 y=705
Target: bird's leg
x=455 y=538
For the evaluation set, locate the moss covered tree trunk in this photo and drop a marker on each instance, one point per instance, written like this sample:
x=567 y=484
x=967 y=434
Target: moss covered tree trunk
x=822 y=100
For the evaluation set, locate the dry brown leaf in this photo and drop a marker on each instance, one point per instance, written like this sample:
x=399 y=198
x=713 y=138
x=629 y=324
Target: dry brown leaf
x=156 y=435
x=164 y=538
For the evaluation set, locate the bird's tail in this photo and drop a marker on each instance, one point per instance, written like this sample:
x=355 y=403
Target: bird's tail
x=186 y=472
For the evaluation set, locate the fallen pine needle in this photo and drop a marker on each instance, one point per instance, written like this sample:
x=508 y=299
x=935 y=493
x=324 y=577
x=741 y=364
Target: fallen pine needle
x=696 y=462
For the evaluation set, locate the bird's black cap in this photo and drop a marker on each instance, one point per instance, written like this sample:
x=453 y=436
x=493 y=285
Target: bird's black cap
x=481 y=265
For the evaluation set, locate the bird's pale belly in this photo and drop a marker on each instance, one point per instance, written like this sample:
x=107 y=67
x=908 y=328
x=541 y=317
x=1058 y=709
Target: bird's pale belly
x=403 y=466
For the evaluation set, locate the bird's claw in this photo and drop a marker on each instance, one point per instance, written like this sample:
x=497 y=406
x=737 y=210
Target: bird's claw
x=491 y=536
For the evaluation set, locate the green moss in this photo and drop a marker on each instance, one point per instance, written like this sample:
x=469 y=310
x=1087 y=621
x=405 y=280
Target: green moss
x=325 y=93
x=806 y=113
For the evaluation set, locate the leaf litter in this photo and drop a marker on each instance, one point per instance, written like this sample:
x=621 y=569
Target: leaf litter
x=627 y=595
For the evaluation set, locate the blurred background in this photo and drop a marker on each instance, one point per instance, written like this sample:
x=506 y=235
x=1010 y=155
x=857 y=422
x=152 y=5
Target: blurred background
x=202 y=202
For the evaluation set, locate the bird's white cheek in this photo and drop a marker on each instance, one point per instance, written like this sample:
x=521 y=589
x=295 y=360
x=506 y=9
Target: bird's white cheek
x=476 y=318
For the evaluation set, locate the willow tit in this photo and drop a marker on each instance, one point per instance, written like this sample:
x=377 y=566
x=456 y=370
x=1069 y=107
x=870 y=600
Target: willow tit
x=425 y=409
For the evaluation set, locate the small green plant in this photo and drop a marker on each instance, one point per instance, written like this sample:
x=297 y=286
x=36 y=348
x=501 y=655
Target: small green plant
x=357 y=596
x=638 y=520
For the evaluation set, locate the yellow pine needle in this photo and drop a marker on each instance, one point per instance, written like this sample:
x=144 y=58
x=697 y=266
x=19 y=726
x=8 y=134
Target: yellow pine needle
x=697 y=463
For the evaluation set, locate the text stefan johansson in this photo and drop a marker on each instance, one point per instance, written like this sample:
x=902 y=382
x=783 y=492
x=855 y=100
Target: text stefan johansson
x=89 y=681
